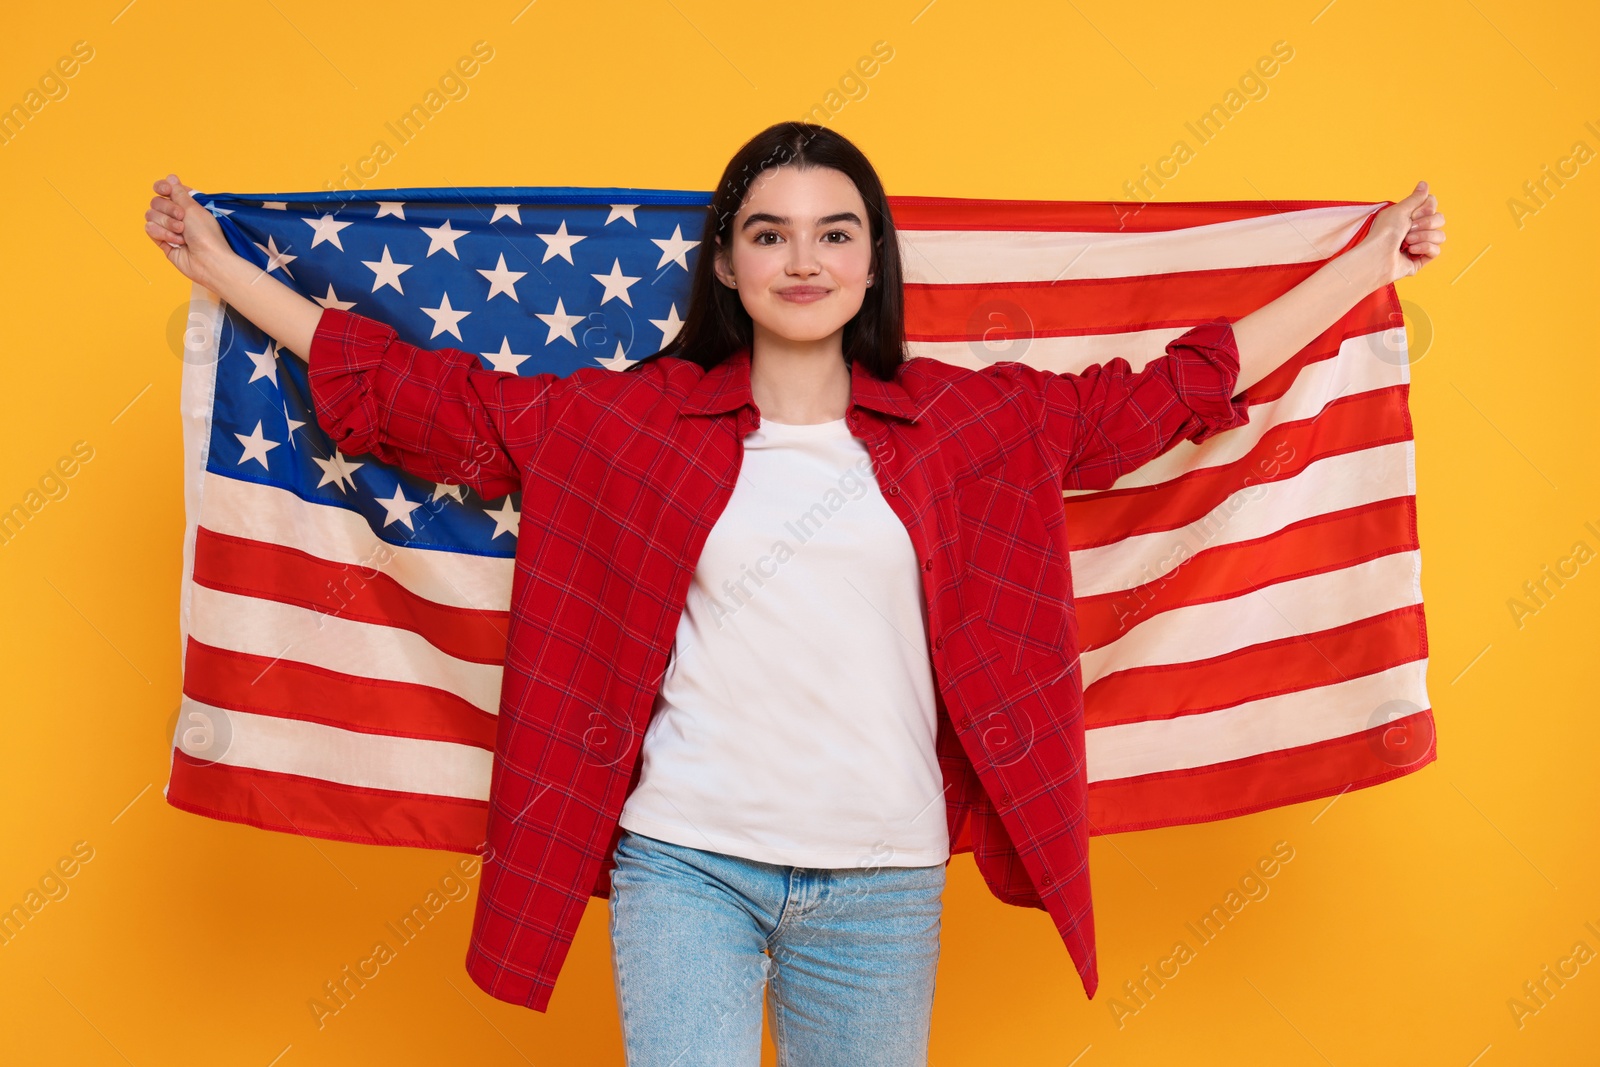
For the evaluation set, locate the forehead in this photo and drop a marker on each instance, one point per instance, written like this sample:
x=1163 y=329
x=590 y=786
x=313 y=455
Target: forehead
x=802 y=193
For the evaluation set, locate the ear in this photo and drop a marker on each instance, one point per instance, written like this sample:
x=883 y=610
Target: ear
x=720 y=265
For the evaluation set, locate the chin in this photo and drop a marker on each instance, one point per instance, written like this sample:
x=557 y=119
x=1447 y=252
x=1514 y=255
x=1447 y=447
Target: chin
x=791 y=330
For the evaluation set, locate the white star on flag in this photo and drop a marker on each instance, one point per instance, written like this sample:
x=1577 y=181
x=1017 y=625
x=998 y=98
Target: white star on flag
x=616 y=283
x=445 y=317
x=293 y=424
x=266 y=362
x=502 y=280
x=618 y=361
x=674 y=249
x=256 y=446
x=326 y=229
x=275 y=258
x=505 y=519
x=386 y=272
x=505 y=359
x=337 y=469
x=668 y=326
x=444 y=237
x=559 y=243
x=398 y=508
x=560 y=323
x=332 y=300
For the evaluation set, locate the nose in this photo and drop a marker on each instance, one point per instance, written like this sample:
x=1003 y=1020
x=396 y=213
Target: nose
x=802 y=259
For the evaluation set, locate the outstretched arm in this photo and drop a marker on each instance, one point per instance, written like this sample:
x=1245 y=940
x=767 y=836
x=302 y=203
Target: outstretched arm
x=1403 y=239
x=1107 y=419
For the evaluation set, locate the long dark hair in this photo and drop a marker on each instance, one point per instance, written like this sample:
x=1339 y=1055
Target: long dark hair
x=718 y=325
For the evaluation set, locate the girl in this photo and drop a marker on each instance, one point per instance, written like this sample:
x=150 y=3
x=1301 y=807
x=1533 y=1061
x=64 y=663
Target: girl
x=788 y=831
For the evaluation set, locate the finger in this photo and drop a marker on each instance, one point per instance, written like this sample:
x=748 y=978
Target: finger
x=167 y=216
x=161 y=236
x=1428 y=205
x=1425 y=237
x=166 y=207
x=1428 y=222
x=1425 y=249
x=1409 y=204
x=162 y=225
x=157 y=224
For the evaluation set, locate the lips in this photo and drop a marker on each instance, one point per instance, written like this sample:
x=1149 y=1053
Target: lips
x=803 y=293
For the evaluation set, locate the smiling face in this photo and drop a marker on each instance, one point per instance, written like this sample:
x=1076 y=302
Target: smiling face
x=800 y=256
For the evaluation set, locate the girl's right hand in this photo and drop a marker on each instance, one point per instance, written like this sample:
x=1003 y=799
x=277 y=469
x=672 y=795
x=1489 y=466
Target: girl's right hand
x=185 y=231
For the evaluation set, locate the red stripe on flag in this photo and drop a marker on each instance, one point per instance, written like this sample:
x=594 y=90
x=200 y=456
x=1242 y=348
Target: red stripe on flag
x=343 y=591
x=296 y=805
x=1268 y=669
x=1080 y=306
x=1240 y=787
x=1090 y=306
x=1312 y=546
x=1350 y=424
x=284 y=688
x=1089 y=216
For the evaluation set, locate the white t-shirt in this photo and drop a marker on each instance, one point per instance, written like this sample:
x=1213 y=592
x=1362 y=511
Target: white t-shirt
x=795 y=723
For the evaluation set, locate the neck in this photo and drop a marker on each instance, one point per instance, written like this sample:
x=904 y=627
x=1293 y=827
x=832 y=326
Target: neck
x=799 y=382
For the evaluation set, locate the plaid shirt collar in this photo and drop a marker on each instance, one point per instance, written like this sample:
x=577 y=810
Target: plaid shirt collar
x=726 y=387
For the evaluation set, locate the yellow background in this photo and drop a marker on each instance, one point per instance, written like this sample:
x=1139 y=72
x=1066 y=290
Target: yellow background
x=1411 y=914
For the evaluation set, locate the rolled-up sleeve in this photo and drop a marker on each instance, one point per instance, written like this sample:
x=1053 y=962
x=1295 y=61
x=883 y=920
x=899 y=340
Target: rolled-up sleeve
x=432 y=412
x=1108 y=420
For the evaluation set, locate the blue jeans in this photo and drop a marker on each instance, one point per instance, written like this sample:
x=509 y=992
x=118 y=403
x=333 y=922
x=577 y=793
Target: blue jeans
x=696 y=936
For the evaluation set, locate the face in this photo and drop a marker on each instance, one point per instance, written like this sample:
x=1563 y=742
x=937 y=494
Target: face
x=800 y=256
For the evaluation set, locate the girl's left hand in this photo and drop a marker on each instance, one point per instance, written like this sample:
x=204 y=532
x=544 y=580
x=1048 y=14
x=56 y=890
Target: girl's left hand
x=1405 y=236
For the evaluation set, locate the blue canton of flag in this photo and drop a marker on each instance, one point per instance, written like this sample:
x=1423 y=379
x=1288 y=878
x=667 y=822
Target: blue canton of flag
x=575 y=278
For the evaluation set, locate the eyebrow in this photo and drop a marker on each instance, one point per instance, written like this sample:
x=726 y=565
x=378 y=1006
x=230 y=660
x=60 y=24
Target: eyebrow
x=782 y=220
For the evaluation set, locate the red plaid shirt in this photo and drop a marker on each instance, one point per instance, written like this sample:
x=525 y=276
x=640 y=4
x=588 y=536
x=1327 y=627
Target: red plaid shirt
x=622 y=476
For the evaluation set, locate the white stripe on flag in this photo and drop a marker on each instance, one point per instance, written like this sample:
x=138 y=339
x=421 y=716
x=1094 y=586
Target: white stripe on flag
x=1333 y=483
x=331 y=754
x=977 y=257
x=1250 y=729
x=277 y=516
x=260 y=627
x=1274 y=612
x=1364 y=364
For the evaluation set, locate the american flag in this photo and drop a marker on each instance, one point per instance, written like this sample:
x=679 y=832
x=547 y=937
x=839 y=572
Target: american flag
x=1250 y=607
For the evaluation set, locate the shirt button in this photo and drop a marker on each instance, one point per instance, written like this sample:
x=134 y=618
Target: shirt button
x=938 y=642
x=894 y=490
x=1005 y=800
x=1046 y=880
x=966 y=721
x=927 y=564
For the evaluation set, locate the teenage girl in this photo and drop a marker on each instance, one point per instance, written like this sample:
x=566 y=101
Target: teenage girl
x=793 y=734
